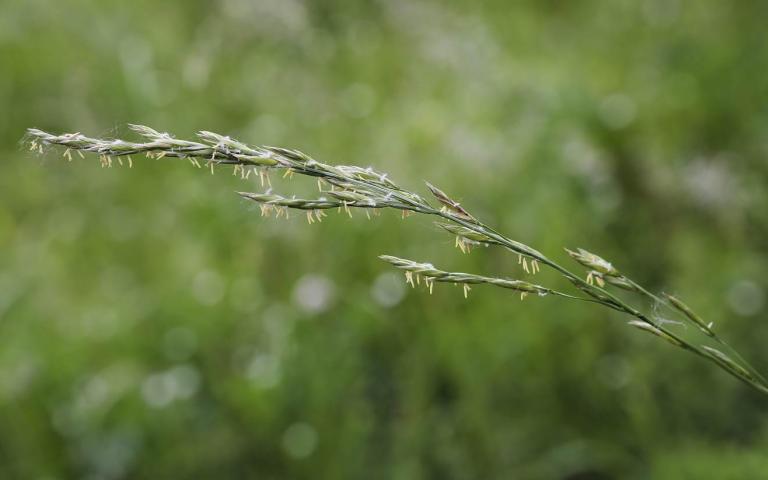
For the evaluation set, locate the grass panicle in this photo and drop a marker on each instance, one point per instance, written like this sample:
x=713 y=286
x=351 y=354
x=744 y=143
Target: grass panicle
x=346 y=187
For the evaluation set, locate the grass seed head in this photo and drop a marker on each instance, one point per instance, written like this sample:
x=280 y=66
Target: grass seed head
x=356 y=187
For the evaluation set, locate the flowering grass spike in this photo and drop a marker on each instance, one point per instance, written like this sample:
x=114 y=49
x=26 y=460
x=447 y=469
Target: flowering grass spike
x=347 y=187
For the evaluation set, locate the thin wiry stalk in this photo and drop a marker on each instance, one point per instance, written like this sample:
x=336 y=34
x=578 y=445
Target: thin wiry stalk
x=348 y=187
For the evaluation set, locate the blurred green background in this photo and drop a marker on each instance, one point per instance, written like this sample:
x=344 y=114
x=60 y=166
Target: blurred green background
x=153 y=325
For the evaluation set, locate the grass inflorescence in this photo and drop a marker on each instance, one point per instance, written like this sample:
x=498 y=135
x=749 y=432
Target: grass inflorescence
x=345 y=188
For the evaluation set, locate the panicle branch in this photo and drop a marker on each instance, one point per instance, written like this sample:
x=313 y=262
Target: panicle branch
x=431 y=273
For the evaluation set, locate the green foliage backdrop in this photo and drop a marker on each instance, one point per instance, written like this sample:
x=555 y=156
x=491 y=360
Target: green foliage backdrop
x=153 y=325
